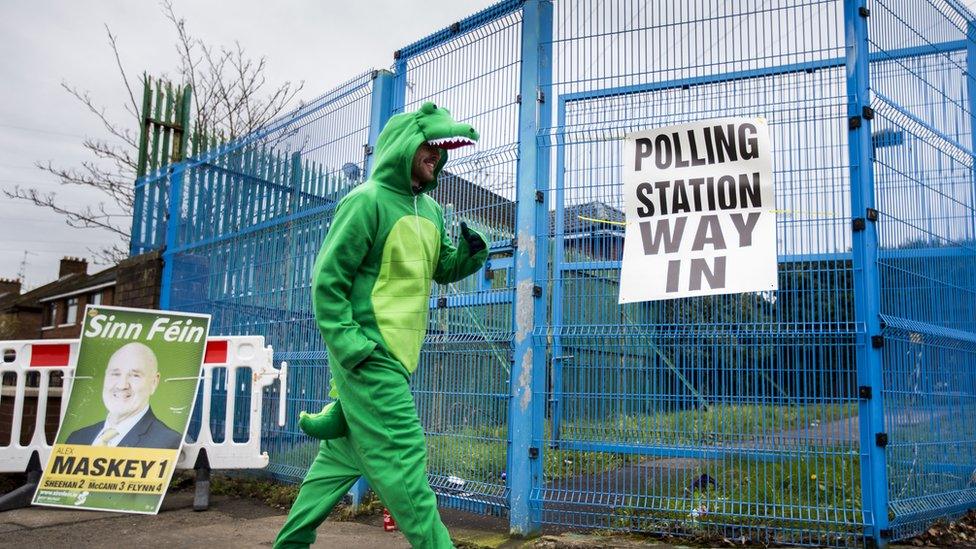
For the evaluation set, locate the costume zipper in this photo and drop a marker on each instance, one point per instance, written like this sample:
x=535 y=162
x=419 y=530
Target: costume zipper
x=416 y=215
x=420 y=240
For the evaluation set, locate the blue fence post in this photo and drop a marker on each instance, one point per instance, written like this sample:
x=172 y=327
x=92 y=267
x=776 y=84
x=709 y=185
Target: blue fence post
x=380 y=109
x=174 y=205
x=399 y=90
x=867 y=288
x=527 y=384
x=971 y=96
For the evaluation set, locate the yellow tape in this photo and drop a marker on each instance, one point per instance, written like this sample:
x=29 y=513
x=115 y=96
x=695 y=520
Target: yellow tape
x=620 y=223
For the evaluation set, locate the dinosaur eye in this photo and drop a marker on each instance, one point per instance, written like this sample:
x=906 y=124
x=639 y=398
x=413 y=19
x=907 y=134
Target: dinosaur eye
x=428 y=108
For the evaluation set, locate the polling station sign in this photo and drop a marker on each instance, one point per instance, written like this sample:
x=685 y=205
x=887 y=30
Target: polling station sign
x=129 y=408
x=700 y=211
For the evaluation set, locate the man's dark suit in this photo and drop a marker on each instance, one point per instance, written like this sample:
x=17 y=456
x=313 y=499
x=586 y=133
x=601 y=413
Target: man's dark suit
x=149 y=432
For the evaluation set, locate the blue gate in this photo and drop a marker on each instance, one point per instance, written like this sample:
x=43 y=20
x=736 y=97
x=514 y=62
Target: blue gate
x=838 y=408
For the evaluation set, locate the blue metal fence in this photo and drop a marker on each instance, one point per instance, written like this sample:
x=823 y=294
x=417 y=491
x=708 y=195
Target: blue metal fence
x=839 y=408
x=924 y=194
x=462 y=385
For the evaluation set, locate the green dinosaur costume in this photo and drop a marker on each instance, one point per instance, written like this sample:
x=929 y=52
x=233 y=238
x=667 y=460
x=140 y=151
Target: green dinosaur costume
x=370 y=291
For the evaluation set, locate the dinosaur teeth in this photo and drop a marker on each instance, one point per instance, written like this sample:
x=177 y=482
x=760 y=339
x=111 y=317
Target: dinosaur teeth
x=451 y=142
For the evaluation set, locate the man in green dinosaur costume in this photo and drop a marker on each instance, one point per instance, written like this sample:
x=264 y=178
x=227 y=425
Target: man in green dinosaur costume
x=370 y=291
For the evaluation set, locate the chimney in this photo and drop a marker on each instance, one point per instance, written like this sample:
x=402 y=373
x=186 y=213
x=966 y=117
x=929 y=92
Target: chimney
x=9 y=286
x=72 y=265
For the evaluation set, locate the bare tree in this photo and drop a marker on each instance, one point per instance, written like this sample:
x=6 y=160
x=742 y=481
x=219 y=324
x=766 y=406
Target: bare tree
x=231 y=97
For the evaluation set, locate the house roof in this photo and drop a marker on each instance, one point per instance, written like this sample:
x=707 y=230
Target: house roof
x=499 y=212
x=474 y=200
x=69 y=285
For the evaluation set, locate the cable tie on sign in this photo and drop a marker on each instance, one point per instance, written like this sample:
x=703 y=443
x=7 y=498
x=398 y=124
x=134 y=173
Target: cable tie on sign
x=167 y=380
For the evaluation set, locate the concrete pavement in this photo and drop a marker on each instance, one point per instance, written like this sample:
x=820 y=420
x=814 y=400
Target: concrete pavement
x=231 y=523
x=242 y=522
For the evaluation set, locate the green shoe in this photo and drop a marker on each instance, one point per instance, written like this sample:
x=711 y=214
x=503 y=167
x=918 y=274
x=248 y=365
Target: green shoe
x=328 y=424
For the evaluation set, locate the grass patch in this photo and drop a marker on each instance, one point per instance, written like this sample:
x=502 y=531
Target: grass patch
x=270 y=492
x=817 y=492
x=277 y=495
x=473 y=454
x=820 y=493
x=479 y=453
x=720 y=423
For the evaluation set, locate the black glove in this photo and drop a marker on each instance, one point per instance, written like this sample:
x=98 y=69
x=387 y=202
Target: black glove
x=474 y=240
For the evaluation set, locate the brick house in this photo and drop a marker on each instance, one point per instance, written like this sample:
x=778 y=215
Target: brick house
x=53 y=311
x=17 y=316
x=63 y=301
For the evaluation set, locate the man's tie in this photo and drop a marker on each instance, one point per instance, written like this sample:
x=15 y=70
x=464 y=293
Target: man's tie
x=106 y=436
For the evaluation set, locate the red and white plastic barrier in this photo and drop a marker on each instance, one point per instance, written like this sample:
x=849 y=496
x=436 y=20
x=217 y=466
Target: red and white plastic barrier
x=235 y=353
x=232 y=353
x=44 y=358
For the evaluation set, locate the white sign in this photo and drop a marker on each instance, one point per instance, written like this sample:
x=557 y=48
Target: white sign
x=700 y=211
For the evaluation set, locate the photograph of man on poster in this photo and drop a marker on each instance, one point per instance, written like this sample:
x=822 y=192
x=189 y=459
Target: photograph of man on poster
x=131 y=378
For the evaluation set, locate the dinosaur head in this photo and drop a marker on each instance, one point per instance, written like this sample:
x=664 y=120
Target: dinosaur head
x=404 y=133
x=440 y=130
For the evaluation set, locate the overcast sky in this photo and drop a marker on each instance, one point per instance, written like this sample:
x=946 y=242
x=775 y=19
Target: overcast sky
x=45 y=42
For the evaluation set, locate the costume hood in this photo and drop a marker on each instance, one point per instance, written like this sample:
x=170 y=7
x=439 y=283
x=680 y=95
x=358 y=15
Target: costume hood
x=404 y=133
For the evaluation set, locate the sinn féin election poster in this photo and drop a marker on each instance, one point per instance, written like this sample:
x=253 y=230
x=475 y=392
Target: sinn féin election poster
x=700 y=211
x=128 y=411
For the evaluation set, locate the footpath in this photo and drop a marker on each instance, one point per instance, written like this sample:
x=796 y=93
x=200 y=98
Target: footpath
x=230 y=523
x=240 y=522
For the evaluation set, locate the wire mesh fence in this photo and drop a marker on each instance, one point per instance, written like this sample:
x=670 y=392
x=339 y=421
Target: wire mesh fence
x=461 y=387
x=734 y=413
x=252 y=218
x=837 y=408
x=924 y=183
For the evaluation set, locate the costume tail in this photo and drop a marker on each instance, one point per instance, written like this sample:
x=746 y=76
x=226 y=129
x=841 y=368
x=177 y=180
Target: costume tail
x=328 y=424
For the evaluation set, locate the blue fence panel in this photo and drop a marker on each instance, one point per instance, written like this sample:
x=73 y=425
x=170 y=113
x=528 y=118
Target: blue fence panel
x=927 y=252
x=252 y=217
x=837 y=409
x=462 y=384
x=733 y=414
